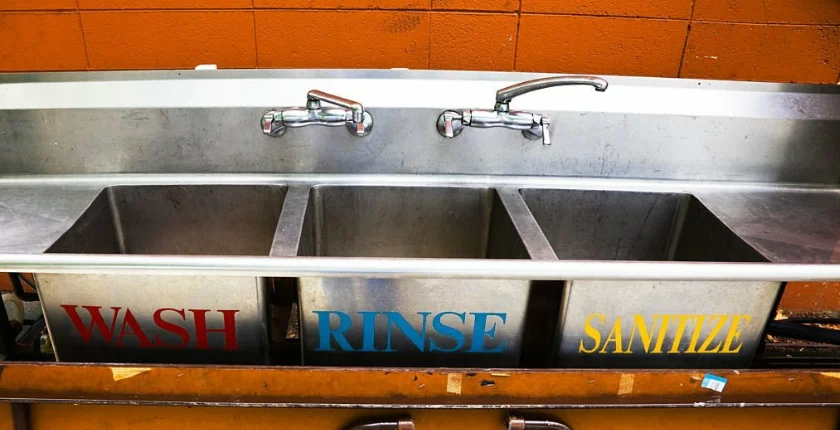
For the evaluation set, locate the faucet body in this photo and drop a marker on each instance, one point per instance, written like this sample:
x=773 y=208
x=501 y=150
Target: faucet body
x=533 y=126
x=349 y=114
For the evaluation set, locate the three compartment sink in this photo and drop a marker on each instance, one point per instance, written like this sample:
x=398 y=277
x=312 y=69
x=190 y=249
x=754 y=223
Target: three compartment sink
x=400 y=321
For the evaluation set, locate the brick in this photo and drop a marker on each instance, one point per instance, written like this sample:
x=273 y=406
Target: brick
x=492 y=41
x=677 y=9
x=164 y=4
x=769 y=11
x=811 y=298
x=37 y=5
x=170 y=39
x=41 y=41
x=477 y=5
x=600 y=45
x=343 y=4
x=377 y=40
x=759 y=52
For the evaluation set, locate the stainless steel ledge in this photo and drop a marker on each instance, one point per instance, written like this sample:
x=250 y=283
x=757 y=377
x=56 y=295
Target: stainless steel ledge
x=796 y=227
x=414 y=268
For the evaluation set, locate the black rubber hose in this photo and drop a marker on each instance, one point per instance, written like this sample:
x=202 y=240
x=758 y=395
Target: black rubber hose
x=799 y=331
x=17 y=287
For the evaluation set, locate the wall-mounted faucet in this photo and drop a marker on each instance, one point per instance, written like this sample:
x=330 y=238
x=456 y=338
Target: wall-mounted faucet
x=534 y=126
x=350 y=114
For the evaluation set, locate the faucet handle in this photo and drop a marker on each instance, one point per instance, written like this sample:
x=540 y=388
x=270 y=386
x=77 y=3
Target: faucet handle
x=545 y=126
x=505 y=95
x=272 y=124
x=451 y=123
x=541 y=130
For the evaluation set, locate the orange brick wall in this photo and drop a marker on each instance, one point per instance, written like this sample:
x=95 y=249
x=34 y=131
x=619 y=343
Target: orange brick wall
x=766 y=40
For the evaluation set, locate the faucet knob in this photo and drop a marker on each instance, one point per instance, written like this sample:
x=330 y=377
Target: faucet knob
x=450 y=124
x=270 y=124
x=545 y=126
x=540 y=130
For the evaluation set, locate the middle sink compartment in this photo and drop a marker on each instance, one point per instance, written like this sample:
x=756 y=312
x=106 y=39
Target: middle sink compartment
x=402 y=321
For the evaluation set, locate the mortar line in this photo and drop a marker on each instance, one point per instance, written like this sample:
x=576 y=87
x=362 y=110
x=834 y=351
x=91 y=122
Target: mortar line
x=256 y=39
x=429 y=45
x=685 y=42
x=84 y=38
x=518 y=26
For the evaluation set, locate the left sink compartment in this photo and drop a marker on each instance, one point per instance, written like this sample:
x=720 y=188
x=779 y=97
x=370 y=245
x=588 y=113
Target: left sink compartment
x=168 y=319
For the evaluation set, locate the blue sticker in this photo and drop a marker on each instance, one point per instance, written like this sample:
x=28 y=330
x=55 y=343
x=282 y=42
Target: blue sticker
x=714 y=382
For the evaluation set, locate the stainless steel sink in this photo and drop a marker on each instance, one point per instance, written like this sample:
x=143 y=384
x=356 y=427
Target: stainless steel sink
x=638 y=226
x=178 y=220
x=165 y=319
x=409 y=222
x=411 y=322
x=405 y=321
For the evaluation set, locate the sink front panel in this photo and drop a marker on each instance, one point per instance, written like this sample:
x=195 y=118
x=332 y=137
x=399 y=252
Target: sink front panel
x=413 y=322
x=156 y=319
x=663 y=324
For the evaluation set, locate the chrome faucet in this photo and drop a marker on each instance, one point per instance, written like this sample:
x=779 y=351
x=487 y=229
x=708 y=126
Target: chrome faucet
x=350 y=114
x=534 y=126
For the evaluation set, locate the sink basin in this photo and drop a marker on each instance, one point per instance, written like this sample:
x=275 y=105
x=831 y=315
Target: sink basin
x=408 y=222
x=177 y=220
x=601 y=320
x=411 y=322
x=640 y=226
x=165 y=319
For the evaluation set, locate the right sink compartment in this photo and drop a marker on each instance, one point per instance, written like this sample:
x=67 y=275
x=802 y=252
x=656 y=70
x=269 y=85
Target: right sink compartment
x=636 y=226
x=650 y=323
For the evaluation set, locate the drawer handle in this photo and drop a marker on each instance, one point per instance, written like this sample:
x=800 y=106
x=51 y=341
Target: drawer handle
x=520 y=423
x=401 y=424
